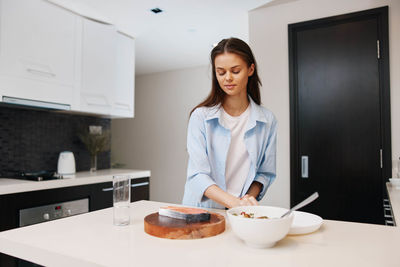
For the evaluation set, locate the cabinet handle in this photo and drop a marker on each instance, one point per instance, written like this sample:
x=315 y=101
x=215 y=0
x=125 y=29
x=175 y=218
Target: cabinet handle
x=132 y=185
x=386 y=203
x=122 y=105
x=41 y=72
x=100 y=105
x=304 y=166
x=95 y=100
x=139 y=184
x=389 y=223
x=387 y=214
x=107 y=189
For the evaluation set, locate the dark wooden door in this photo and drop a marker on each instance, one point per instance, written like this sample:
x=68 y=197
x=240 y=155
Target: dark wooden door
x=337 y=109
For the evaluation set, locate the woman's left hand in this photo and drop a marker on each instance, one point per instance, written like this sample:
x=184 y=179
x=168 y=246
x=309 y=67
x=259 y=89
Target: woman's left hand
x=248 y=200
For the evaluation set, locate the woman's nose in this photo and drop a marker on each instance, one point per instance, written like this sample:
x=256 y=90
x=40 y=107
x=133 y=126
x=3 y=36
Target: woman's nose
x=228 y=76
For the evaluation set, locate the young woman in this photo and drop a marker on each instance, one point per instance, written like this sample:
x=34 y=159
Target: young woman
x=231 y=139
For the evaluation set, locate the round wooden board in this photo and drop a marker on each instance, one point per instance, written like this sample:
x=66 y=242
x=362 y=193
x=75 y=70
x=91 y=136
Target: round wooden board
x=167 y=227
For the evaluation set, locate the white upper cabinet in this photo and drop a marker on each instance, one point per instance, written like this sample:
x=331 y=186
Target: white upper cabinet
x=99 y=50
x=53 y=57
x=38 y=51
x=123 y=98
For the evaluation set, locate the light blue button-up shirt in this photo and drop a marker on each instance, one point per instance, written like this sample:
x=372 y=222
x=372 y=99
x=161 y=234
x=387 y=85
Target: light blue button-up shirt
x=208 y=144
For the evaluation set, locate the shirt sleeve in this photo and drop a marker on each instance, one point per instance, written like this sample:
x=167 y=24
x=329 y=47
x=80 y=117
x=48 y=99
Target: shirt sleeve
x=199 y=170
x=266 y=172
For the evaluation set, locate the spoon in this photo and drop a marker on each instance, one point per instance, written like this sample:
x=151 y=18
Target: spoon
x=302 y=204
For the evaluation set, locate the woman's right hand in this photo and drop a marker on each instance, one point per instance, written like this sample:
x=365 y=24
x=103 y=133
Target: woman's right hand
x=246 y=200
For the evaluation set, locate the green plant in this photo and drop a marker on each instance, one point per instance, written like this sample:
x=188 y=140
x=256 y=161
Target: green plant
x=95 y=142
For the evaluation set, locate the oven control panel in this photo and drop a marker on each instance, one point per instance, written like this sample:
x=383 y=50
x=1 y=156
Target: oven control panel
x=52 y=212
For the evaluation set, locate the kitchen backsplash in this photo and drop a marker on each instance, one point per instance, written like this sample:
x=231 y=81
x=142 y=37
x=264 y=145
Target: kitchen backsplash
x=31 y=140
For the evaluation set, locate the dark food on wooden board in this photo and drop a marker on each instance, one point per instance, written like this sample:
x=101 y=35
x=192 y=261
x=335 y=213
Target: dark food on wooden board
x=190 y=215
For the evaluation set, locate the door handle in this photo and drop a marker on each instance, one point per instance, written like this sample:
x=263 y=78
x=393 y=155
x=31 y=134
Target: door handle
x=304 y=166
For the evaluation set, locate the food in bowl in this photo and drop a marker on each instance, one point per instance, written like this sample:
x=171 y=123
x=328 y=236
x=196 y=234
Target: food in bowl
x=259 y=233
x=249 y=215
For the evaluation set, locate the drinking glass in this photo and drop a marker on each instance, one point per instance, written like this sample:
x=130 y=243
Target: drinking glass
x=121 y=199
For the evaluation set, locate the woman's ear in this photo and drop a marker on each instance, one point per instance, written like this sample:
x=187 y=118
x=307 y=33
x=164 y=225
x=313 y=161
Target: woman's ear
x=251 y=70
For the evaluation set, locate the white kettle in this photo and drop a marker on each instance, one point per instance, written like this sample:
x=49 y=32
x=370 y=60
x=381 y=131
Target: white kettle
x=66 y=164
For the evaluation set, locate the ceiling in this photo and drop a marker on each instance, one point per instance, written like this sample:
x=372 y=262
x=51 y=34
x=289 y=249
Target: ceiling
x=179 y=37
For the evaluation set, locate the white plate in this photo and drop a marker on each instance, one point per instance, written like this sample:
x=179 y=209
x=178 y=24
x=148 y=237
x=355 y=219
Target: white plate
x=304 y=223
x=395 y=182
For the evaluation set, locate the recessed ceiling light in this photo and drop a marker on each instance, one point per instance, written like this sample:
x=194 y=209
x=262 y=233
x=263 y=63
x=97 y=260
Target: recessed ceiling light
x=156 y=10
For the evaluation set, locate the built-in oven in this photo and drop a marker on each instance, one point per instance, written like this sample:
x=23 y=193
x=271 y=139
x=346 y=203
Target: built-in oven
x=50 y=212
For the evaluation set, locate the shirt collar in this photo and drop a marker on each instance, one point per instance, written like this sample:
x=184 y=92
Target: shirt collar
x=256 y=114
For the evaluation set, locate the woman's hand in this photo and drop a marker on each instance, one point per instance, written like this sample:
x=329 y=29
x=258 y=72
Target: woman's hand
x=246 y=200
x=220 y=196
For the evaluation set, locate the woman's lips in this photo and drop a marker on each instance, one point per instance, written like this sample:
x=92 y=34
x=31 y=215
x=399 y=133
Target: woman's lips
x=230 y=86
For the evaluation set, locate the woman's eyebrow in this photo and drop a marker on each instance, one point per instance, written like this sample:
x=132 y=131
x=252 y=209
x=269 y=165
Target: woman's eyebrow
x=220 y=68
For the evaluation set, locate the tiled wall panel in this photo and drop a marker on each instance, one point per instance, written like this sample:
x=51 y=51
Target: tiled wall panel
x=31 y=140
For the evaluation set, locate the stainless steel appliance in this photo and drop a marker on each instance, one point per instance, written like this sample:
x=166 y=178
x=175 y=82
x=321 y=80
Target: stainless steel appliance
x=50 y=212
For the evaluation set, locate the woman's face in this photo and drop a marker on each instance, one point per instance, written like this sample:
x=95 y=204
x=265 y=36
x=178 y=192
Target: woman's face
x=232 y=73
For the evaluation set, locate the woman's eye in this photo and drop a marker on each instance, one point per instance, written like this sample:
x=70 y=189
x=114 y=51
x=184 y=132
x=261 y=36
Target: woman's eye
x=236 y=72
x=221 y=73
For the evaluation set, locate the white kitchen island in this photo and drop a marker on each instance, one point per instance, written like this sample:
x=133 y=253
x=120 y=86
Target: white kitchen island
x=91 y=240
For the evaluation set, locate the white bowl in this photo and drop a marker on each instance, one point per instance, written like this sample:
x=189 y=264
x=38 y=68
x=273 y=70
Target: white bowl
x=260 y=233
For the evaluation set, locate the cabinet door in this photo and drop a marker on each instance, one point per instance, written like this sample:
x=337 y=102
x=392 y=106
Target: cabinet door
x=123 y=99
x=38 y=51
x=102 y=196
x=140 y=189
x=98 y=67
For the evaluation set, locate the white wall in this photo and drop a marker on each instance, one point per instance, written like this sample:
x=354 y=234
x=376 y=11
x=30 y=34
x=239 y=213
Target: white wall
x=269 y=41
x=156 y=138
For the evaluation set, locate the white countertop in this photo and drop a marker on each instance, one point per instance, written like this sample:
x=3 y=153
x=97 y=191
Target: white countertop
x=394 y=196
x=91 y=240
x=10 y=186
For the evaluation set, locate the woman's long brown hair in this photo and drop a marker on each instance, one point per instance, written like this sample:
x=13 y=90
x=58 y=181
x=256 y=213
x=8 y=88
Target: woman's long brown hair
x=240 y=48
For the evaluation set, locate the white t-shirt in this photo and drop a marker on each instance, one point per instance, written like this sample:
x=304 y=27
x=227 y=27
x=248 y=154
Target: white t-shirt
x=237 y=161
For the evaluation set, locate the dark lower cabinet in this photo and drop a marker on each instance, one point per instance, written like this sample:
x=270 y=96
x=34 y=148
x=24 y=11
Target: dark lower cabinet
x=102 y=193
x=140 y=189
x=99 y=195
